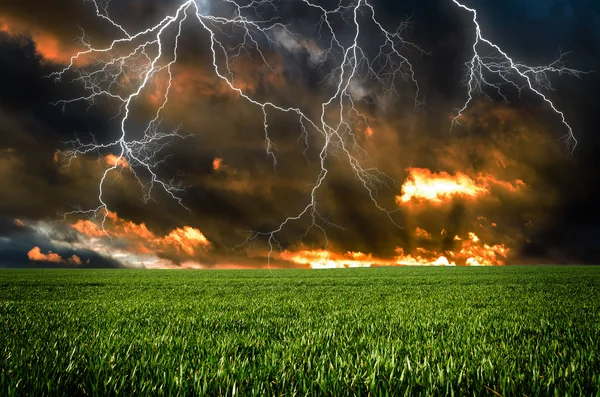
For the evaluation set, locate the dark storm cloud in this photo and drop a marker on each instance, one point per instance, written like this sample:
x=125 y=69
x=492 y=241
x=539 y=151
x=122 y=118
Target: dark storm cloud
x=18 y=238
x=64 y=19
x=32 y=130
x=248 y=193
x=11 y=227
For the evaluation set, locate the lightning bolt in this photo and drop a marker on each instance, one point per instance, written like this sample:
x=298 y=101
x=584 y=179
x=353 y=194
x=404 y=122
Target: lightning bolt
x=125 y=69
x=511 y=73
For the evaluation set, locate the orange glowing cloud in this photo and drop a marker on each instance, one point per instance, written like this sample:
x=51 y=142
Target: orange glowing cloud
x=74 y=260
x=478 y=254
x=186 y=239
x=424 y=258
x=137 y=230
x=114 y=226
x=422 y=233
x=185 y=80
x=87 y=228
x=472 y=252
x=423 y=185
x=138 y=239
x=186 y=83
x=323 y=259
x=19 y=223
x=36 y=255
x=369 y=131
x=47 y=45
x=217 y=163
x=116 y=161
x=50 y=48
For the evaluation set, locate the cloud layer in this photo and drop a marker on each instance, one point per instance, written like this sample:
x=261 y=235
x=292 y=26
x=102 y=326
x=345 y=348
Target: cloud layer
x=493 y=191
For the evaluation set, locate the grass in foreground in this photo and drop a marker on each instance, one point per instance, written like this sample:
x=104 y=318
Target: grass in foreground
x=399 y=331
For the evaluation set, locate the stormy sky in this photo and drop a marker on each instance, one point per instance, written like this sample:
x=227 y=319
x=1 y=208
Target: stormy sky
x=235 y=181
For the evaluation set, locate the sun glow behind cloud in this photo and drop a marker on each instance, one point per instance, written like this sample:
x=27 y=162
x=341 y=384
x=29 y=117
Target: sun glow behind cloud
x=423 y=185
x=471 y=252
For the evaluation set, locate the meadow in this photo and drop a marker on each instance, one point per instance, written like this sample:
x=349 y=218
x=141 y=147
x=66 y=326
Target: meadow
x=366 y=332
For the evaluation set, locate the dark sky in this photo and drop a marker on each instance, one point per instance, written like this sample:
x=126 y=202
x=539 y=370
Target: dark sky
x=514 y=192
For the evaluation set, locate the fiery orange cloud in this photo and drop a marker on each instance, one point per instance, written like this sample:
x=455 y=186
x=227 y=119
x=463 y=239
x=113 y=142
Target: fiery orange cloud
x=472 y=252
x=217 y=163
x=187 y=239
x=368 y=131
x=87 y=228
x=323 y=259
x=423 y=185
x=137 y=239
x=36 y=255
x=138 y=230
x=112 y=216
x=117 y=227
x=74 y=260
x=113 y=161
x=478 y=254
x=431 y=259
x=513 y=187
x=19 y=223
x=50 y=48
x=422 y=233
x=47 y=45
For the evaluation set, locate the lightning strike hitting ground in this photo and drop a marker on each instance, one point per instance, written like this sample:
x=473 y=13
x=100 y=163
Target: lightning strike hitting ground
x=124 y=70
x=510 y=72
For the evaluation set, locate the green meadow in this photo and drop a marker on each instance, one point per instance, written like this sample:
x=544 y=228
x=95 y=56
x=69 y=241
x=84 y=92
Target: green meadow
x=366 y=332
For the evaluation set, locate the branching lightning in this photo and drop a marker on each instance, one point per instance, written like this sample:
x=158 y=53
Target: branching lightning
x=125 y=69
x=512 y=73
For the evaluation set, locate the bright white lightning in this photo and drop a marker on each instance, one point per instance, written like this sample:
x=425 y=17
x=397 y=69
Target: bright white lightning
x=138 y=64
x=126 y=67
x=510 y=72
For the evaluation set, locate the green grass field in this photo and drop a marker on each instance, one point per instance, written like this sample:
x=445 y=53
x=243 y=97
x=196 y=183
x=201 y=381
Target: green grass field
x=393 y=331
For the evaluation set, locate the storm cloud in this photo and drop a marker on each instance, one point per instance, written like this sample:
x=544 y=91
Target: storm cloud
x=534 y=203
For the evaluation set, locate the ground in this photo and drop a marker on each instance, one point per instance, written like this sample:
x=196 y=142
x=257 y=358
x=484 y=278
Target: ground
x=384 y=331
